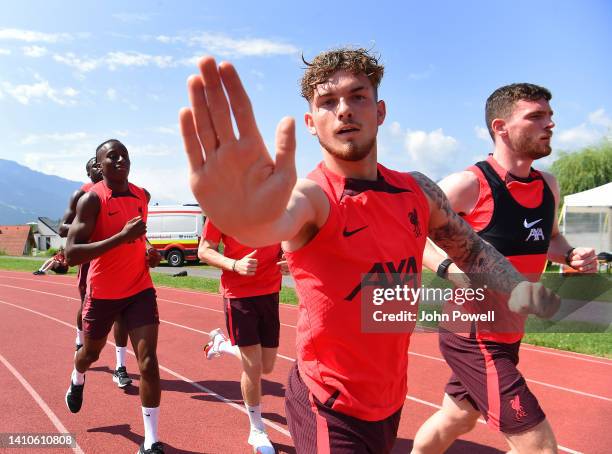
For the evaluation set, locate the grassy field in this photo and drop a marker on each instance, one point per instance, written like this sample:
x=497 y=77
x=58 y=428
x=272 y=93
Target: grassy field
x=591 y=343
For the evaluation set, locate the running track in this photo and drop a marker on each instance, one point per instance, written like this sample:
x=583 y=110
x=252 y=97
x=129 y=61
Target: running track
x=201 y=409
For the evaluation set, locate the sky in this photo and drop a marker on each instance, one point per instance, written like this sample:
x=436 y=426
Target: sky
x=74 y=73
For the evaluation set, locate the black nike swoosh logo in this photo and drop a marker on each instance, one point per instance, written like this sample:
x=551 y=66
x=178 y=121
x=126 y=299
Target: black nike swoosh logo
x=112 y=214
x=353 y=232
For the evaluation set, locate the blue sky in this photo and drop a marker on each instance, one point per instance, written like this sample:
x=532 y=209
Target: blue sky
x=75 y=73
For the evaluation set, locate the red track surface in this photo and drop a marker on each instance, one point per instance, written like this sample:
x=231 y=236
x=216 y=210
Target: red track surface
x=201 y=409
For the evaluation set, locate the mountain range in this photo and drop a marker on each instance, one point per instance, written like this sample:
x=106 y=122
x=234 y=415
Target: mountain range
x=26 y=194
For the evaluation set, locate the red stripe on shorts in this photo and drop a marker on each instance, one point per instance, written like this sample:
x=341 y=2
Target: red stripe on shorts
x=229 y=318
x=493 y=398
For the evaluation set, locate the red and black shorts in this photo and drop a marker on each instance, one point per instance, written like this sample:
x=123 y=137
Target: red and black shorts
x=317 y=429
x=253 y=320
x=485 y=374
x=136 y=311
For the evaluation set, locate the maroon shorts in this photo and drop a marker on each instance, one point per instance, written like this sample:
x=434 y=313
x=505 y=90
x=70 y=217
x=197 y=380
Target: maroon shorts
x=316 y=428
x=485 y=374
x=253 y=320
x=82 y=280
x=136 y=310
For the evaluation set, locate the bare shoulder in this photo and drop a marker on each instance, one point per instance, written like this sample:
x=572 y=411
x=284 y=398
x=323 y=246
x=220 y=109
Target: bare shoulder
x=310 y=192
x=461 y=189
x=88 y=203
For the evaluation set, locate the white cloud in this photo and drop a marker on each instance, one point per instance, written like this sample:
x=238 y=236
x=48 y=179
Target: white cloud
x=170 y=130
x=33 y=139
x=226 y=46
x=31 y=36
x=600 y=118
x=482 y=133
x=34 y=51
x=111 y=94
x=433 y=152
x=80 y=64
x=396 y=129
x=5 y=51
x=114 y=60
x=41 y=89
x=133 y=18
x=597 y=126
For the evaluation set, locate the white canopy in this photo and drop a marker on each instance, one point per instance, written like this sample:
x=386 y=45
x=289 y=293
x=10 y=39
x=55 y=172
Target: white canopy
x=598 y=197
x=585 y=218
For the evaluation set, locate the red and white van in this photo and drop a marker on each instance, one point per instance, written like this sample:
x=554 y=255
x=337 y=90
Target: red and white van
x=175 y=231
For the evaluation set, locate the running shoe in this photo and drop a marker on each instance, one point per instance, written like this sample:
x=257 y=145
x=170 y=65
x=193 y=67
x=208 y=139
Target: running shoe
x=121 y=377
x=156 y=448
x=260 y=442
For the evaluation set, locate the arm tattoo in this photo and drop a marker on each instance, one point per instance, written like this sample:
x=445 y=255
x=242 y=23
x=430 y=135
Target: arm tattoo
x=478 y=259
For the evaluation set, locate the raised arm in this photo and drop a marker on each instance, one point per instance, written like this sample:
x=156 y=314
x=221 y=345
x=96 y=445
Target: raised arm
x=70 y=213
x=241 y=188
x=483 y=264
x=78 y=248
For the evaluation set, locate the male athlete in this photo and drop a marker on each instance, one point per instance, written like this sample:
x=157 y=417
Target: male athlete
x=344 y=226
x=250 y=284
x=109 y=232
x=513 y=207
x=120 y=375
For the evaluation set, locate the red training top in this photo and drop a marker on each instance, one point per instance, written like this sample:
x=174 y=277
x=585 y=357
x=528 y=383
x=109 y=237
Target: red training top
x=267 y=278
x=123 y=271
x=375 y=233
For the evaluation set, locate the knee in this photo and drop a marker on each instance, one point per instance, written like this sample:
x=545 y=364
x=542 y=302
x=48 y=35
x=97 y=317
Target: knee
x=148 y=366
x=254 y=371
x=267 y=368
x=90 y=355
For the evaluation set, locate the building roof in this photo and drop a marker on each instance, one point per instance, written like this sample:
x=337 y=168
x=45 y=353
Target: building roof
x=14 y=239
x=53 y=225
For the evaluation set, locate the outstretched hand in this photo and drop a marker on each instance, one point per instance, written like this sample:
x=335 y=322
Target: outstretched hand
x=234 y=179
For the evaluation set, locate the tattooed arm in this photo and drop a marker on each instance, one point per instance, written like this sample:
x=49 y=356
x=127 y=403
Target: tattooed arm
x=483 y=264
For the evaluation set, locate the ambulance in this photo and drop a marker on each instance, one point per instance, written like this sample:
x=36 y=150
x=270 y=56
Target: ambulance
x=175 y=231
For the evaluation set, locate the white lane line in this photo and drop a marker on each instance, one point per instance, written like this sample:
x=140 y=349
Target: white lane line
x=165 y=369
x=582 y=357
x=230 y=402
x=435 y=358
x=39 y=400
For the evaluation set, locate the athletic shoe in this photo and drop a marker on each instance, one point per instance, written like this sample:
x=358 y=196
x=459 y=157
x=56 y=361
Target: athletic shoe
x=156 y=448
x=74 y=397
x=260 y=442
x=212 y=348
x=121 y=377
x=38 y=273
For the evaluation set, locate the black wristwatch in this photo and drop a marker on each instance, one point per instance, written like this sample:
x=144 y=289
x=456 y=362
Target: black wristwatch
x=443 y=268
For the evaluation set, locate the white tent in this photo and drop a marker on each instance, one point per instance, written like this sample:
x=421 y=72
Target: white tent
x=585 y=218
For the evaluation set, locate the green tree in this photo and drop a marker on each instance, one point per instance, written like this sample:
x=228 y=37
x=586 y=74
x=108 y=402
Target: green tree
x=584 y=169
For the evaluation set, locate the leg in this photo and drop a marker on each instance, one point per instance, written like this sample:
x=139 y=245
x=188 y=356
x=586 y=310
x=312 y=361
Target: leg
x=250 y=381
x=539 y=439
x=120 y=375
x=144 y=342
x=84 y=357
x=268 y=358
x=455 y=418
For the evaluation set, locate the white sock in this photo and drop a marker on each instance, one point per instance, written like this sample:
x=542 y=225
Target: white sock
x=79 y=338
x=227 y=347
x=77 y=377
x=150 y=416
x=255 y=416
x=120 y=356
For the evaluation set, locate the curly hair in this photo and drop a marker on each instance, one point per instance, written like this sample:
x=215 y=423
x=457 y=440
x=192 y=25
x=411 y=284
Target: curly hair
x=356 y=61
x=501 y=102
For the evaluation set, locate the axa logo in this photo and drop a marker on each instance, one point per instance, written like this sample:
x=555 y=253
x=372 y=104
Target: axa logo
x=387 y=275
x=535 y=233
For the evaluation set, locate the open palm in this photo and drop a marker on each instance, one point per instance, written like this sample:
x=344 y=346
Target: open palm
x=234 y=180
